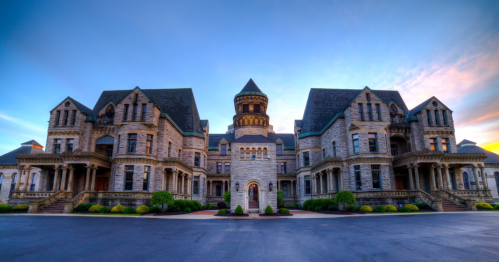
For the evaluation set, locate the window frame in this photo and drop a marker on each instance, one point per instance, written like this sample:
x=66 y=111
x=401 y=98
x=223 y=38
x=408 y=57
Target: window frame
x=306 y=158
x=134 y=112
x=129 y=144
x=376 y=171
x=355 y=138
x=434 y=144
x=66 y=116
x=73 y=120
x=437 y=117
x=149 y=143
x=255 y=106
x=279 y=148
x=358 y=177
x=169 y=149
x=375 y=139
x=219 y=169
x=125 y=113
x=129 y=170
x=308 y=185
x=57 y=145
x=247 y=108
x=428 y=114
x=444 y=115
x=143 y=113
x=361 y=112
x=446 y=145
x=378 y=110
x=197 y=159
x=69 y=142
x=146 y=178
x=195 y=185
x=223 y=149
x=370 y=111
x=334 y=148
x=57 y=117
x=227 y=168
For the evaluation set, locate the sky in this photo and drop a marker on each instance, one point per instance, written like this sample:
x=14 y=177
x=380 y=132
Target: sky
x=53 y=49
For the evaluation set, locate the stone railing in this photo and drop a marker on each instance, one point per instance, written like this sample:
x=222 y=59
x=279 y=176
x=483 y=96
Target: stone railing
x=435 y=204
x=124 y=195
x=473 y=193
x=383 y=193
x=81 y=198
x=29 y=194
x=34 y=204
x=468 y=203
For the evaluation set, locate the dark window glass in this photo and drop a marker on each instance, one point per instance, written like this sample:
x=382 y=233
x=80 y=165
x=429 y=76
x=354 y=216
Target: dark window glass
x=283 y=167
x=169 y=149
x=334 y=148
x=307 y=185
x=370 y=112
x=376 y=174
x=437 y=118
x=128 y=178
x=57 y=146
x=245 y=108
x=73 y=122
x=134 y=113
x=66 y=115
x=224 y=149
x=496 y=176
x=361 y=111
x=1 y=181
x=197 y=156
x=219 y=168
x=306 y=160
x=428 y=114
x=279 y=150
x=277 y=167
x=368 y=97
x=69 y=145
x=446 y=120
x=227 y=168
x=180 y=154
x=356 y=147
x=144 y=110
x=195 y=186
x=147 y=174
x=149 y=144
x=395 y=150
x=256 y=108
x=445 y=145
x=378 y=110
x=433 y=144
x=323 y=153
x=109 y=150
x=58 y=116
x=358 y=181
x=373 y=143
x=125 y=116
x=33 y=182
x=466 y=181
x=132 y=143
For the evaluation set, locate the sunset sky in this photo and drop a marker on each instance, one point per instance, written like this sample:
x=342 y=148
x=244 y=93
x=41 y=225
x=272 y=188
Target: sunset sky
x=53 y=49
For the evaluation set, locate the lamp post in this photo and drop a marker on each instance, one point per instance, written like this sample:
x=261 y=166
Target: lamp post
x=237 y=186
x=270 y=186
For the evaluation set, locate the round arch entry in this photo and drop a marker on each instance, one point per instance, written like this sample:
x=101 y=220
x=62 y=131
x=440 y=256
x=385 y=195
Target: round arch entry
x=260 y=193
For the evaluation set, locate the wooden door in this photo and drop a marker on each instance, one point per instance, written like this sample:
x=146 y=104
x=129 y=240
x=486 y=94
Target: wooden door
x=101 y=183
x=401 y=183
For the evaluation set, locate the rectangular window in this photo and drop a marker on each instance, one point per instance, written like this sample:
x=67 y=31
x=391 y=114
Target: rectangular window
x=69 y=145
x=66 y=115
x=109 y=150
x=197 y=161
x=334 y=148
x=445 y=145
x=437 y=118
x=169 y=149
x=132 y=143
x=433 y=144
x=195 y=186
x=224 y=149
x=279 y=149
x=446 y=120
x=128 y=178
x=370 y=112
x=134 y=113
x=256 y=108
x=125 y=115
x=356 y=147
x=307 y=185
x=227 y=168
x=73 y=121
x=323 y=153
x=306 y=159
x=144 y=111
x=378 y=110
x=147 y=174
x=219 y=168
x=376 y=174
x=283 y=167
x=395 y=150
x=373 y=142
x=361 y=112
x=368 y=97
x=277 y=167
x=180 y=154
x=428 y=114
x=245 y=108
x=57 y=118
x=149 y=144
x=57 y=146
x=358 y=180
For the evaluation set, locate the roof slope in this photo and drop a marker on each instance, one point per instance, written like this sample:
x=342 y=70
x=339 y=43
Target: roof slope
x=10 y=157
x=251 y=87
x=178 y=104
x=31 y=142
x=215 y=138
x=253 y=139
x=491 y=157
x=288 y=139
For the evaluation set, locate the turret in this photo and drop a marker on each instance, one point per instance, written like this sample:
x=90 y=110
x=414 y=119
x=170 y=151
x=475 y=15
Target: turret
x=251 y=111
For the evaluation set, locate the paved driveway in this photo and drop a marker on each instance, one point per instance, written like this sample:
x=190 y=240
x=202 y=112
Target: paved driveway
x=445 y=237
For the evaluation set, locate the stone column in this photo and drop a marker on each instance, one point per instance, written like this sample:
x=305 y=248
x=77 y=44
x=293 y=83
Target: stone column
x=329 y=181
x=19 y=177
x=56 y=178
x=440 y=179
x=94 y=174
x=447 y=177
x=484 y=178
x=174 y=181
x=340 y=179
x=411 y=180
x=63 y=178
x=163 y=180
x=416 y=175
x=320 y=183
x=28 y=179
x=182 y=189
x=70 y=182
x=292 y=190
x=475 y=173
x=87 y=178
x=432 y=178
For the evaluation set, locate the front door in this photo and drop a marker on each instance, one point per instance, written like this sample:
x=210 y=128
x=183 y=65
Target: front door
x=401 y=183
x=101 y=183
x=255 y=192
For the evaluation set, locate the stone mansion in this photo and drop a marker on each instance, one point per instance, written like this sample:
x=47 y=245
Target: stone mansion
x=135 y=142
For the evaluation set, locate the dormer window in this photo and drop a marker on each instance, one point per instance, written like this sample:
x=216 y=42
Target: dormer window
x=279 y=149
x=368 y=97
x=223 y=149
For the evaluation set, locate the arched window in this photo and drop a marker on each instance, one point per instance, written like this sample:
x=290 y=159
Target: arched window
x=109 y=116
x=265 y=156
x=251 y=121
x=240 y=122
x=259 y=155
x=466 y=181
x=496 y=175
x=13 y=184
x=1 y=181
x=256 y=121
x=253 y=153
x=241 y=152
x=33 y=182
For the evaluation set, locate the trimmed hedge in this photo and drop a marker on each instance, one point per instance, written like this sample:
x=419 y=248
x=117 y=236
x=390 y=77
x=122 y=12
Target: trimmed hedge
x=187 y=209
x=352 y=208
x=5 y=208
x=174 y=208
x=366 y=209
x=405 y=209
x=422 y=205
x=239 y=210
x=117 y=209
x=326 y=203
x=20 y=207
x=480 y=205
x=222 y=211
x=222 y=205
x=104 y=210
x=83 y=207
x=284 y=210
x=142 y=209
x=390 y=208
x=129 y=210
x=412 y=207
x=307 y=204
x=94 y=208
x=190 y=205
x=197 y=205
x=155 y=210
x=180 y=203
x=333 y=207
x=269 y=211
x=380 y=209
x=318 y=208
x=317 y=203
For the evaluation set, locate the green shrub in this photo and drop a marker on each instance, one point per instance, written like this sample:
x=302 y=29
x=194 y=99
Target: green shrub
x=366 y=209
x=207 y=206
x=187 y=209
x=155 y=210
x=83 y=207
x=5 y=208
x=142 y=209
x=181 y=204
x=94 y=208
x=129 y=210
x=239 y=210
x=480 y=205
x=405 y=209
x=222 y=205
x=422 y=205
x=280 y=199
x=197 y=205
x=307 y=204
x=351 y=208
x=118 y=209
x=268 y=210
x=162 y=198
x=494 y=206
x=390 y=208
x=345 y=197
x=318 y=208
x=412 y=207
x=20 y=207
x=296 y=205
x=326 y=203
x=104 y=210
x=227 y=197
x=316 y=203
x=380 y=209
x=190 y=205
x=333 y=207
x=222 y=211
x=174 y=208
x=284 y=210
x=497 y=206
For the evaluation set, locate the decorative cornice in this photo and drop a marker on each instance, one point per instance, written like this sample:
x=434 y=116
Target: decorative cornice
x=328 y=162
x=438 y=132
x=175 y=162
x=217 y=175
x=379 y=160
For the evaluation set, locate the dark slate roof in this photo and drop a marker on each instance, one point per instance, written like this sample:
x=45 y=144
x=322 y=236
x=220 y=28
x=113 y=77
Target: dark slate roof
x=298 y=123
x=253 y=139
x=10 y=157
x=418 y=108
x=178 y=104
x=107 y=140
x=491 y=157
x=466 y=141
x=288 y=139
x=251 y=87
x=215 y=138
x=203 y=123
x=31 y=142
x=324 y=104
x=87 y=111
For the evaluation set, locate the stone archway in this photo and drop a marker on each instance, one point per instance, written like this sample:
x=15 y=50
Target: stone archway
x=261 y=195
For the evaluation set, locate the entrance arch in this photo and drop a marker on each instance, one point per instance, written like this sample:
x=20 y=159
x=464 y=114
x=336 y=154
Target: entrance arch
x=259 y=192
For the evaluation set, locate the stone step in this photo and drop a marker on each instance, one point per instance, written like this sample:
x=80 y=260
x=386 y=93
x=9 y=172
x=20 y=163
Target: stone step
x=253 y=210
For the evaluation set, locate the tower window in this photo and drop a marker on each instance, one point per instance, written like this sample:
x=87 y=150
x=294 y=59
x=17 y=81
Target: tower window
x=58 y=116
x=373 y=143
x=428 y=113
x=356 y=146
x=256 y=108
x=125 y=114
x=376 y=173
x=445 y=145
x=73 y=122
x=437 y=118
x=66 y=115
x=358 y=180
x=132 y=142
x=144 y=111
x=245 y=108
x=306 y=159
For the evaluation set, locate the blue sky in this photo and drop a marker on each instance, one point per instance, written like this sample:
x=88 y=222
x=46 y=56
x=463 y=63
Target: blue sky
x=53 y=49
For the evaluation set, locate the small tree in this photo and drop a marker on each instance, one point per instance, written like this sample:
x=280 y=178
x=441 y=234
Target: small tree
x=280 y=199
x=162 y=198
x=227 y=198
x=239 y=210
x=345 y=197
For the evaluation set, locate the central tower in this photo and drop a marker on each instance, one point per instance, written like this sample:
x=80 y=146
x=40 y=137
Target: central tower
x=251 y=111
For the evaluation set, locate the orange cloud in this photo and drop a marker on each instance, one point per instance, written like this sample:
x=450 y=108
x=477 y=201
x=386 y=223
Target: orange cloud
x=494 y=147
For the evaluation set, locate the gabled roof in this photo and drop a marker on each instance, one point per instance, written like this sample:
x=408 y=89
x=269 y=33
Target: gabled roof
x=491 y=157
x=214 y=139
x=251 y=89
x=323 y=105
x=10 y=157
x=253 y=139
x=87 y=111
x=421 y=106
x=177 y=103
x=288 y=139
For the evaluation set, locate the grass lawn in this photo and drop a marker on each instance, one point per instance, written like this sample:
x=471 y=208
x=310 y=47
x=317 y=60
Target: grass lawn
x=104 y=214
x=417 y=212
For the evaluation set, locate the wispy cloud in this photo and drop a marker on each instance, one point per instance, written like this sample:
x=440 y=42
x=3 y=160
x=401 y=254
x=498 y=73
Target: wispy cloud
x=20 y=122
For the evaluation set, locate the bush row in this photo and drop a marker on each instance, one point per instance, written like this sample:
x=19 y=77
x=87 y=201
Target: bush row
x=6 y=208
x=178 y=205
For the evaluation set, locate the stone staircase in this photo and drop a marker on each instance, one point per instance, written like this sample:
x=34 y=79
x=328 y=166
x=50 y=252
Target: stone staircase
x=253 y=206
x=56 y=207
x=449 y=206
